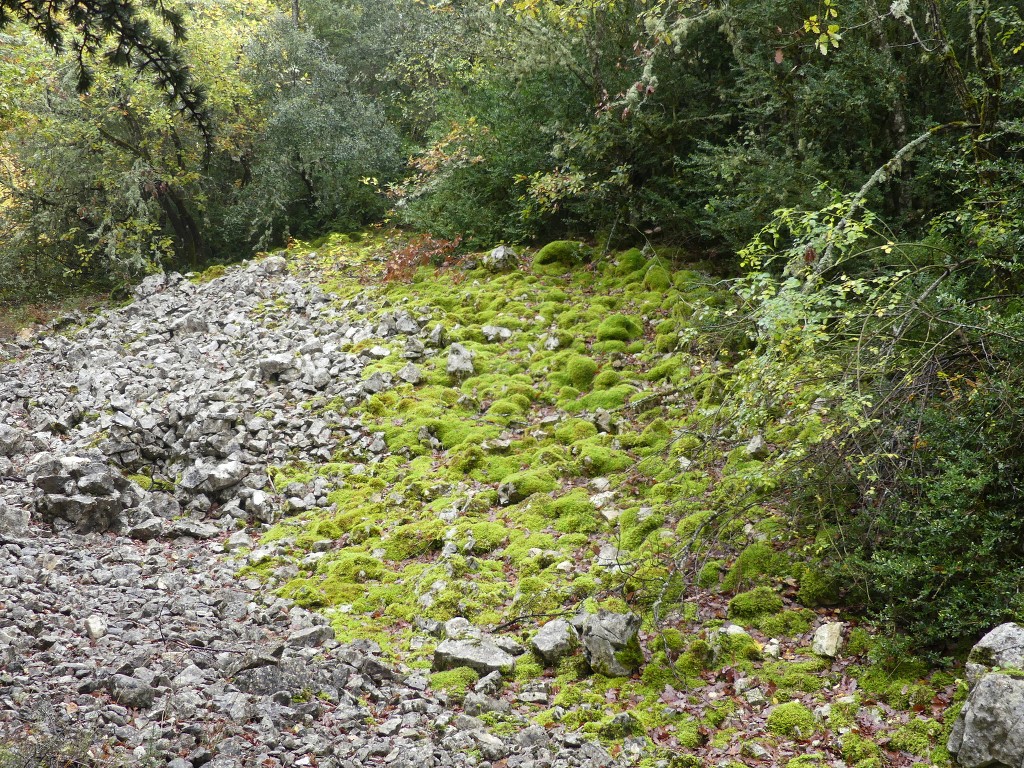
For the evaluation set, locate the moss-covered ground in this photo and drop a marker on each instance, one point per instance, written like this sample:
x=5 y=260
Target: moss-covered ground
x=592 y=426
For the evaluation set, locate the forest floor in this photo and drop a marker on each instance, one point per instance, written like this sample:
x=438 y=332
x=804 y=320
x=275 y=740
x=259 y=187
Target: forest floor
x=512 y=444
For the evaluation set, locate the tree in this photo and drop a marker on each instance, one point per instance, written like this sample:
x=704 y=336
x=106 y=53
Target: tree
x=122 y=33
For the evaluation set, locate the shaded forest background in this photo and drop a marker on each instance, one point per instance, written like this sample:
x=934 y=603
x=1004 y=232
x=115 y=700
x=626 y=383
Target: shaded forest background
x=851 y=167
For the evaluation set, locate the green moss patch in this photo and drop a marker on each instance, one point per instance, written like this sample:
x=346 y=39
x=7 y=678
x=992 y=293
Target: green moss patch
x=791 y=720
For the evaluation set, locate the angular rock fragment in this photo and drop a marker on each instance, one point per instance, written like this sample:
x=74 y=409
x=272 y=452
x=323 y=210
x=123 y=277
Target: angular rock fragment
x=482 y=655
x=555 y=640
x=610 y=643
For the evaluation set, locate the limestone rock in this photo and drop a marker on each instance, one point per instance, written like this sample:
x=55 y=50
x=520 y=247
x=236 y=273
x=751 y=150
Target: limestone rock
x=272 y=365
x=12 y=440
x=494 y=333
x=828 y=639
x=990 y=728
x=610 y=642
x=460 y=362
x=555 y=640
x=501 y=259
x=482 y=655
x=13 y=520
x=95 y=627
x=1002 y=647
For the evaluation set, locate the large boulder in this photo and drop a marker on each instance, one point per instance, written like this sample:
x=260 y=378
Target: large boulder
x=990 y=728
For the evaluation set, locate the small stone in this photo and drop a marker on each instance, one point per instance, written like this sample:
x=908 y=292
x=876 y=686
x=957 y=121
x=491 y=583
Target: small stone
x=272 y=365
x=147 y=530
x=757 y=448
x=95 y=627
x=410 y=374
x=478 y=704
x=493 y=333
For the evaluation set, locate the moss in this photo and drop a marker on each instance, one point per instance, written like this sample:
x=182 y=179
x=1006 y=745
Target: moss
x=455 y=682
x=619 y=328
x=859 y=643
x=813 y=760
x=607 y=379
x=856 y=748
x=796 y=676
x=414 y=539
x=755 y=603
x=574 y=430
x=756 y=564
x=555 y=257
x=529 y=482
x=786 y=624
x=657 y=278
x=144 y=482
x=581 y=371
x=527 y=668
x=305 y=593
x=596 y=459
x=791 y=720
x=629 y=262
x=817 y=586
x=901 y=686
x=605 y=399
x=487 y=536
x=508 y=409
x=637 y=527
x=710 y=574
x=210 y=273
x=352 y=567
x=656 y=435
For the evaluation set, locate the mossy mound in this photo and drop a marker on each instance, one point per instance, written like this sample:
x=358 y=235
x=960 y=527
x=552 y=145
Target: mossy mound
x=756 y=603
x=581 y=371
x=619 y=328
x=791 y=720
x=558 y=256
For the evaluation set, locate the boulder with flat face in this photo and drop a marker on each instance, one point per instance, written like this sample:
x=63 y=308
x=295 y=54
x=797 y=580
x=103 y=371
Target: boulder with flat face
x=480 y=654
x=990 y=728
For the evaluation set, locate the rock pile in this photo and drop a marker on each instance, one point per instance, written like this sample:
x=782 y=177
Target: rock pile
x=138 y=446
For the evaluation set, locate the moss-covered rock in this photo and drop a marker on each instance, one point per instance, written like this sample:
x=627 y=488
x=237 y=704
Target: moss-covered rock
x=857 y=748
x=455 y=682
x=756 y=564
x=755 y=603
x=522 y=485
x=619 y=328
x=791 y=720
x=581 y=371
x=657 y=278
x=629 y=262
x=558 y=256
